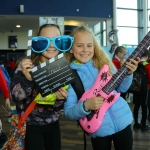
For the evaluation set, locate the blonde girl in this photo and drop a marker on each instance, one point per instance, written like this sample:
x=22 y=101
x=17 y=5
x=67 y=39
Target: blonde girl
x=88 y=58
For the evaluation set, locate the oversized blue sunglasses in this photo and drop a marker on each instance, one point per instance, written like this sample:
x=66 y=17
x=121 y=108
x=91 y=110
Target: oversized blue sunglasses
x=61 y=43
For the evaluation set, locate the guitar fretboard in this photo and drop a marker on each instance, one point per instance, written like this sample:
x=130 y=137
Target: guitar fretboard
x=118 y=77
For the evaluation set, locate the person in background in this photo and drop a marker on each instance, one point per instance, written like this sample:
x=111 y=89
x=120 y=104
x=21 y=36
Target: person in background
x=6 y=94
x=4 y=89
x=149 y=97
x=87 y=58
x=11 y=67
x=142 y=99
x=43 y=130
x=119 y=59
x=149 y=56
x=119 y=56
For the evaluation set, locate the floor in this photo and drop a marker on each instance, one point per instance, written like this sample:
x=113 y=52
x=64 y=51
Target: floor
x=72 y=135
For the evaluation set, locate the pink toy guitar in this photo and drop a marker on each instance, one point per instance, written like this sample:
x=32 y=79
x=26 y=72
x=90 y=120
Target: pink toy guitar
x=104 y=86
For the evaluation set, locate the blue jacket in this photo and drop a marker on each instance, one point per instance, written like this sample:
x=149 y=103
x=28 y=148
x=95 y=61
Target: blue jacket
x=118 y=117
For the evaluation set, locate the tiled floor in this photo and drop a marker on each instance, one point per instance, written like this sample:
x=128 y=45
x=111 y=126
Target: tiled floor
x=72 y=135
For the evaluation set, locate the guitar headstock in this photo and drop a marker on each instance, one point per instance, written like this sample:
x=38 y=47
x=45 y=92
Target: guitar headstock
x=141 y=48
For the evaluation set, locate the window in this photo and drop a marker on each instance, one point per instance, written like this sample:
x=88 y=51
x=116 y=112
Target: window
x=128 y=36
x=127 y=18
x=97 y=28
x=127 y=3
x=127 y=21
x=148 y=4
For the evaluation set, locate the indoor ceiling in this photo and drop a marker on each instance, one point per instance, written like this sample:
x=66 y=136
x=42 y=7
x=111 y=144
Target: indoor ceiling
x=8 y=22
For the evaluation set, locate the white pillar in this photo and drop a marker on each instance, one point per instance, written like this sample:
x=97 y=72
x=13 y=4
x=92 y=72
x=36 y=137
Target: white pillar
x=145 y=18
x=108 y=29
x=114 y=15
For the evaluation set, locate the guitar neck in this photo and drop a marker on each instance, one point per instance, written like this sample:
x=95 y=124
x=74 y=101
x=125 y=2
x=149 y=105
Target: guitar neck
x=118 y=77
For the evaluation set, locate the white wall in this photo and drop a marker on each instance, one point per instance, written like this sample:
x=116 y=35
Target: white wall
x=22 y=40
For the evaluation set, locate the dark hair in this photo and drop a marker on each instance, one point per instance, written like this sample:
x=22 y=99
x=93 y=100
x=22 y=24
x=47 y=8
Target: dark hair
x=46 y=25
x=119 y=49
x=146 y=53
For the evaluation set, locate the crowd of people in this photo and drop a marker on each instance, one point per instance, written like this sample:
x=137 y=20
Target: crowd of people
x=87 y=58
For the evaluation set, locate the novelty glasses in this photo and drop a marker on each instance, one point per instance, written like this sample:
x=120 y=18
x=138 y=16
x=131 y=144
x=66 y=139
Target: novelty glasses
x=61 y=43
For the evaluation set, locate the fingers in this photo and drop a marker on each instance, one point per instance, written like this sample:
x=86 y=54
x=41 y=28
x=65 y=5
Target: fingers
x=61 y=93
x=94 y=103
x=7 y=103
x=138 y=59
x=132 y=65
x=26 y=68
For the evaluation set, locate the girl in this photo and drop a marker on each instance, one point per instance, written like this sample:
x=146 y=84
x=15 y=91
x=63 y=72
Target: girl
x=43 y=131
x=119 y=56
x=118 y=60
x=87 y=58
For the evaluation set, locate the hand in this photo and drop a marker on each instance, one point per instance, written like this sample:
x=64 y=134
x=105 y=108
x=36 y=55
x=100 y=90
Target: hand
x=26 y=67
x=94 y=103
x=7 y=102
x=61 y=94
x=132 y=65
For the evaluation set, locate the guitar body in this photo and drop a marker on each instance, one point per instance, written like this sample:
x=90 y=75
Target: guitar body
x=93 y=121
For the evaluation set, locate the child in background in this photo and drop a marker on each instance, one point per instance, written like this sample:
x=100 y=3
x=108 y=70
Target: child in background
x=11 y=67
x=119 y=56
x=149 y=98
x=149 y=56
x=43 y=130
x=6 y=94
x=119 y=59
x=142 y=99
x=87 y=58
x=4 y=89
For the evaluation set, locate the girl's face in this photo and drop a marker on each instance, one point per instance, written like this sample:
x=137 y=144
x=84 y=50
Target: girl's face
x=122 y=55
x=83 y=48
x=51 y=52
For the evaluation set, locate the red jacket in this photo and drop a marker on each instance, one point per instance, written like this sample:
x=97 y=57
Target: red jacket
x=12 y=64
x=147 y=68
x=117 y=63
x=3 y=86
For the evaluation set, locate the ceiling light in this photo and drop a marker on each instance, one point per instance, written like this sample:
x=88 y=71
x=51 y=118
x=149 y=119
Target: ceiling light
x=18 y=26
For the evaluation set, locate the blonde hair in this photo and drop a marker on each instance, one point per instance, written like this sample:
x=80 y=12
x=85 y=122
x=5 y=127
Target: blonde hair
x=100 y=57
x=120 y=49
x=34 y=56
